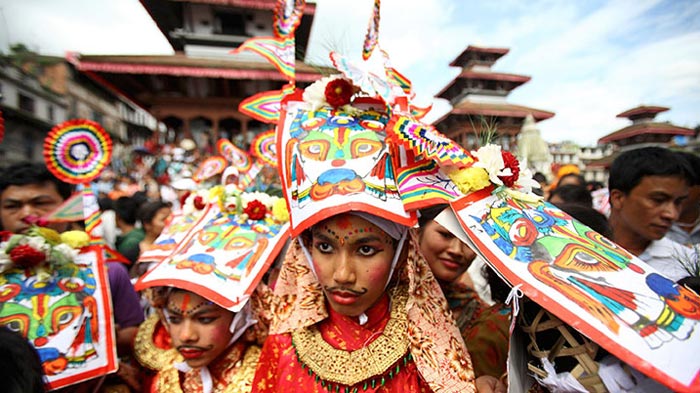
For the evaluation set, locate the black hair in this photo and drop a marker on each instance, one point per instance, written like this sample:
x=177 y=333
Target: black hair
x=429 y=213
x=125 y=208
x=572 y=193
x=539 y=177
x=628 y=169
x=580 y=179
x=589 y=217
x=149 y=210
x=26 y=173
x=693 y=161
x=20 y=365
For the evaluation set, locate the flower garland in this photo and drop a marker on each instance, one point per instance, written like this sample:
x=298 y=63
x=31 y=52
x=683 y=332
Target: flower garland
x=497 y=167
x=41 y=249
x=255 y=206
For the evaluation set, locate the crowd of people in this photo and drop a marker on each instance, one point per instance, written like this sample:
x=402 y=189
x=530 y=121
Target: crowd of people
x=358 y=301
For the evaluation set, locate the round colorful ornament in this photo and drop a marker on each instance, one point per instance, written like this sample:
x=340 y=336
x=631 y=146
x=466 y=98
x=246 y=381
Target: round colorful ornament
x=76 y=151
x=264 y=148
x=210 y=167
x=238 y=157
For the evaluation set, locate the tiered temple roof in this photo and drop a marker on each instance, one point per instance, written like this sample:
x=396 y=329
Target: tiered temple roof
x=478 y=97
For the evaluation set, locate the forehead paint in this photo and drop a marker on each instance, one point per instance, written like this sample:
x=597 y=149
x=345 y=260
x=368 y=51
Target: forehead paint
x=184 y=307
x=350 y=230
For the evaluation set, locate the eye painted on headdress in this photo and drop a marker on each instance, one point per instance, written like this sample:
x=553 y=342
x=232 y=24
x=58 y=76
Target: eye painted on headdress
x=342 y=121
x=374 y=125
x=364 y=147
x=312 y=123
x=315 y=149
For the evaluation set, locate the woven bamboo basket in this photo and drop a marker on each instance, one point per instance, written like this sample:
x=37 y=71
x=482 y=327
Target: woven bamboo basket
x=562 y=345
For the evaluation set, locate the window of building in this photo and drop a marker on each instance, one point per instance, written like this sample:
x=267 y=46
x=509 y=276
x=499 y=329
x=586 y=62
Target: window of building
x=51 y=113
x=228 y=23
x=26 y=103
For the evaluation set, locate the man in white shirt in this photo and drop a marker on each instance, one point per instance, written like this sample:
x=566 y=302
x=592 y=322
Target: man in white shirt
x=647 y=187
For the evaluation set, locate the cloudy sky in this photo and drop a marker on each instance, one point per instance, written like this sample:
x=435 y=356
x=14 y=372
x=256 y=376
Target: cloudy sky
x=589 y=60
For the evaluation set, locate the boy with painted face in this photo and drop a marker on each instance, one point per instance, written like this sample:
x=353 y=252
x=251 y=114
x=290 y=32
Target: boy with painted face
x=212 y=348
x=206 y=333
x=355 y=305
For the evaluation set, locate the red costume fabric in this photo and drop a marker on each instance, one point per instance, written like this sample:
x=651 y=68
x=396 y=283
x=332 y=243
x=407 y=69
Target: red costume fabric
x=280 y=369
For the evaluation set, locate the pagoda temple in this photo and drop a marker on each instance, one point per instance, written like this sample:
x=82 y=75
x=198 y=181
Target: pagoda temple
x=644 y=130
x=478 y=98
x=195 y=93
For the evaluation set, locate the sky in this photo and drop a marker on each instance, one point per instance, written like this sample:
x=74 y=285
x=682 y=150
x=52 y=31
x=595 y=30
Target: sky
x=588 y=59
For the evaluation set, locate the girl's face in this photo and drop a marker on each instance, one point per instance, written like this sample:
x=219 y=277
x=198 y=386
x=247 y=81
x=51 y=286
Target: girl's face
x=352 y=258
x=156 y=225
x=447 y=256
x=199 y=329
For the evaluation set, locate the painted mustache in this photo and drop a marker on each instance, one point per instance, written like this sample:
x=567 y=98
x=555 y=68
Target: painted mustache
x=193 y=348
x=344 y=289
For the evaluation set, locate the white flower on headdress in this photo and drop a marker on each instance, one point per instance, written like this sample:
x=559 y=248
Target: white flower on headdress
x=525 y=181
x=490 y=158
x=69 y=253
x=315 y=94
x=38 y=243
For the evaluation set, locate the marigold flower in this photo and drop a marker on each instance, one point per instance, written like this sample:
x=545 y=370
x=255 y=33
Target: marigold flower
x=470 y=179
x=75 y=239
x=279 y=210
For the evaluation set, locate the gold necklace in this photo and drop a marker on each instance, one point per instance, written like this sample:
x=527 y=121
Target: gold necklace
x=348 y=368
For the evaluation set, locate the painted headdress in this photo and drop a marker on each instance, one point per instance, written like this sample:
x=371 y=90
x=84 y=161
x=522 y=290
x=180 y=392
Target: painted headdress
x=340 y=152
x=230 y=240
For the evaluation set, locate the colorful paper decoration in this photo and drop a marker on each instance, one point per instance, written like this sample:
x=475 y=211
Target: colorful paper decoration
x=179 y=227
x=212 y=166
x=589 y=282
x=423 y=184
x=265 y=106
x=372 y=36
x=70 y=210
x=287 y=17
x=278 y=51
x=223 y=260
x=264 y=147
x=335 y=160
x=67 y=317
x=92 y=215
x=76 y=151
x=427 y=141
x=369 y=82
x=418 y=113
x=238 y=157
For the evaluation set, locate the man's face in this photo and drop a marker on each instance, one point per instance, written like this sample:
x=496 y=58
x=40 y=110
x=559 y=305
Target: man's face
x=19 y=202
x=650 y=208
x=352 y=258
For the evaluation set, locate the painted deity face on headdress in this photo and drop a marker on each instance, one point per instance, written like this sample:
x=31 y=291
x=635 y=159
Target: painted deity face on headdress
x=59 y=316
x=337 y=160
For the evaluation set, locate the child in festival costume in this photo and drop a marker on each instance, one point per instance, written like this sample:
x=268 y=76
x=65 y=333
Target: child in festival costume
x=356 y=307
x=210 y=318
